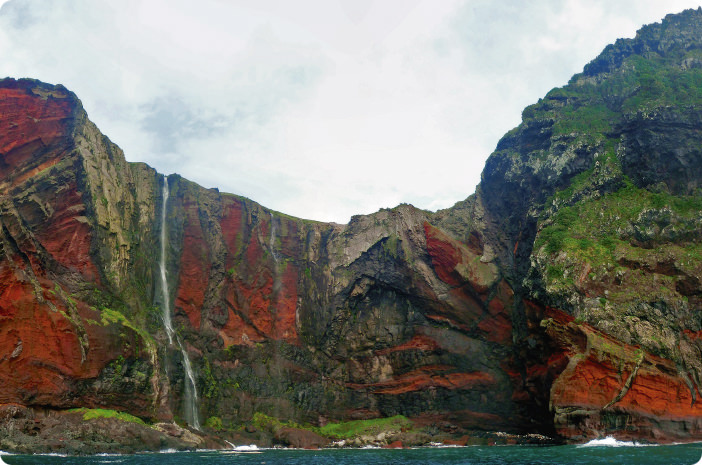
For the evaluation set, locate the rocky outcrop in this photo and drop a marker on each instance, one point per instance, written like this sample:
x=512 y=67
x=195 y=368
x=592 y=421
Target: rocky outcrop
x=34 y=431
x=616 y=245
x=562 y=298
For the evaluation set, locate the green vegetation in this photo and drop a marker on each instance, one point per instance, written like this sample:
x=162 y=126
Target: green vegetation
x=350 y=429
x=211 y=388
x=265 y=422
x=601 y=217
x=604 y=344
x=113 y=316
x=110 y=316
x=114 y=309
x=591 y=229
x=392 y=246
x=591 y=108
x=604 y=166
x=342 y=430
x=658 y=81
x=214 y=423
x=93 y=413
x=587 y=119
x=555 y=272
x=599 y=233
x=118 y=365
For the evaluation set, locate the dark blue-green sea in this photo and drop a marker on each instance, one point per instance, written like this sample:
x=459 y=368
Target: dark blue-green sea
x=608 y=452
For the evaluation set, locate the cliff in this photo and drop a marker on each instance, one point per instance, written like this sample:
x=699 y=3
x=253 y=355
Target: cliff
x=562 y=298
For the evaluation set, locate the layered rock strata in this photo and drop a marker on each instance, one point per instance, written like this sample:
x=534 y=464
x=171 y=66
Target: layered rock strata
x=562 y=298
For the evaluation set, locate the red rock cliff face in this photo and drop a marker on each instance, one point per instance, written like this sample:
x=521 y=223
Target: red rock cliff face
x=430 y=315
x=57 y=349
x=611 y=387
x=388 y=315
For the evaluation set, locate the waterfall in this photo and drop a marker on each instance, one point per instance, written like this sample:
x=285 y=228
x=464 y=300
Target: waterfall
x=276 y=260
x=271 y=243
x=165 y=295
x=192 y=416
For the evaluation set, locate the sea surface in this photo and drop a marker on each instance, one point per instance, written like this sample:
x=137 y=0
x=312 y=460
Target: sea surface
x=602 y=452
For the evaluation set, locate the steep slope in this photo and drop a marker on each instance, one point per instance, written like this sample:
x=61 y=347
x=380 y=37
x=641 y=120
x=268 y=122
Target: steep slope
x=563 y=298
x=57 y=344
x=295 y=319
x=595 y=204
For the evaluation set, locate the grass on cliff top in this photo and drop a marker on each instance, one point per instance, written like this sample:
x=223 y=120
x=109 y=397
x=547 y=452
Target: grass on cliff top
x=342 y=430
x=641 y=83
x=93 y=413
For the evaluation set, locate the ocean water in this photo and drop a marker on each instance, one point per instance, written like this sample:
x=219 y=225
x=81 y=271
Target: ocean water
x=605 y=452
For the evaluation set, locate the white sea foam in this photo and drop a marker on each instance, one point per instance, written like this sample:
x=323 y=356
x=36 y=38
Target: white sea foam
x=113 y=457
x=250 y=447
x=440 y=445
x=243 y=448
x=247 y=449
x=610 y=441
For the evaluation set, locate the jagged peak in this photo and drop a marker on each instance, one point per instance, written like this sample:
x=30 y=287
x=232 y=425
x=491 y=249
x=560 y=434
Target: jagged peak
x=681 y=31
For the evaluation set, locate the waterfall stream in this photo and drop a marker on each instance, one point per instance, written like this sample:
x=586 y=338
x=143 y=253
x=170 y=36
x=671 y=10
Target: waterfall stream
x=190 y=408
x=276 y=260
x=192 y=416
x=165 y=295
x=271 y=243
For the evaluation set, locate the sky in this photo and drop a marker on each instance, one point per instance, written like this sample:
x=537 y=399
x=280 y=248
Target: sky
x=320 y=109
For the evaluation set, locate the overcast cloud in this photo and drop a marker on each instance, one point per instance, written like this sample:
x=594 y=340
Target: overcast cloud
x=319 y=109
